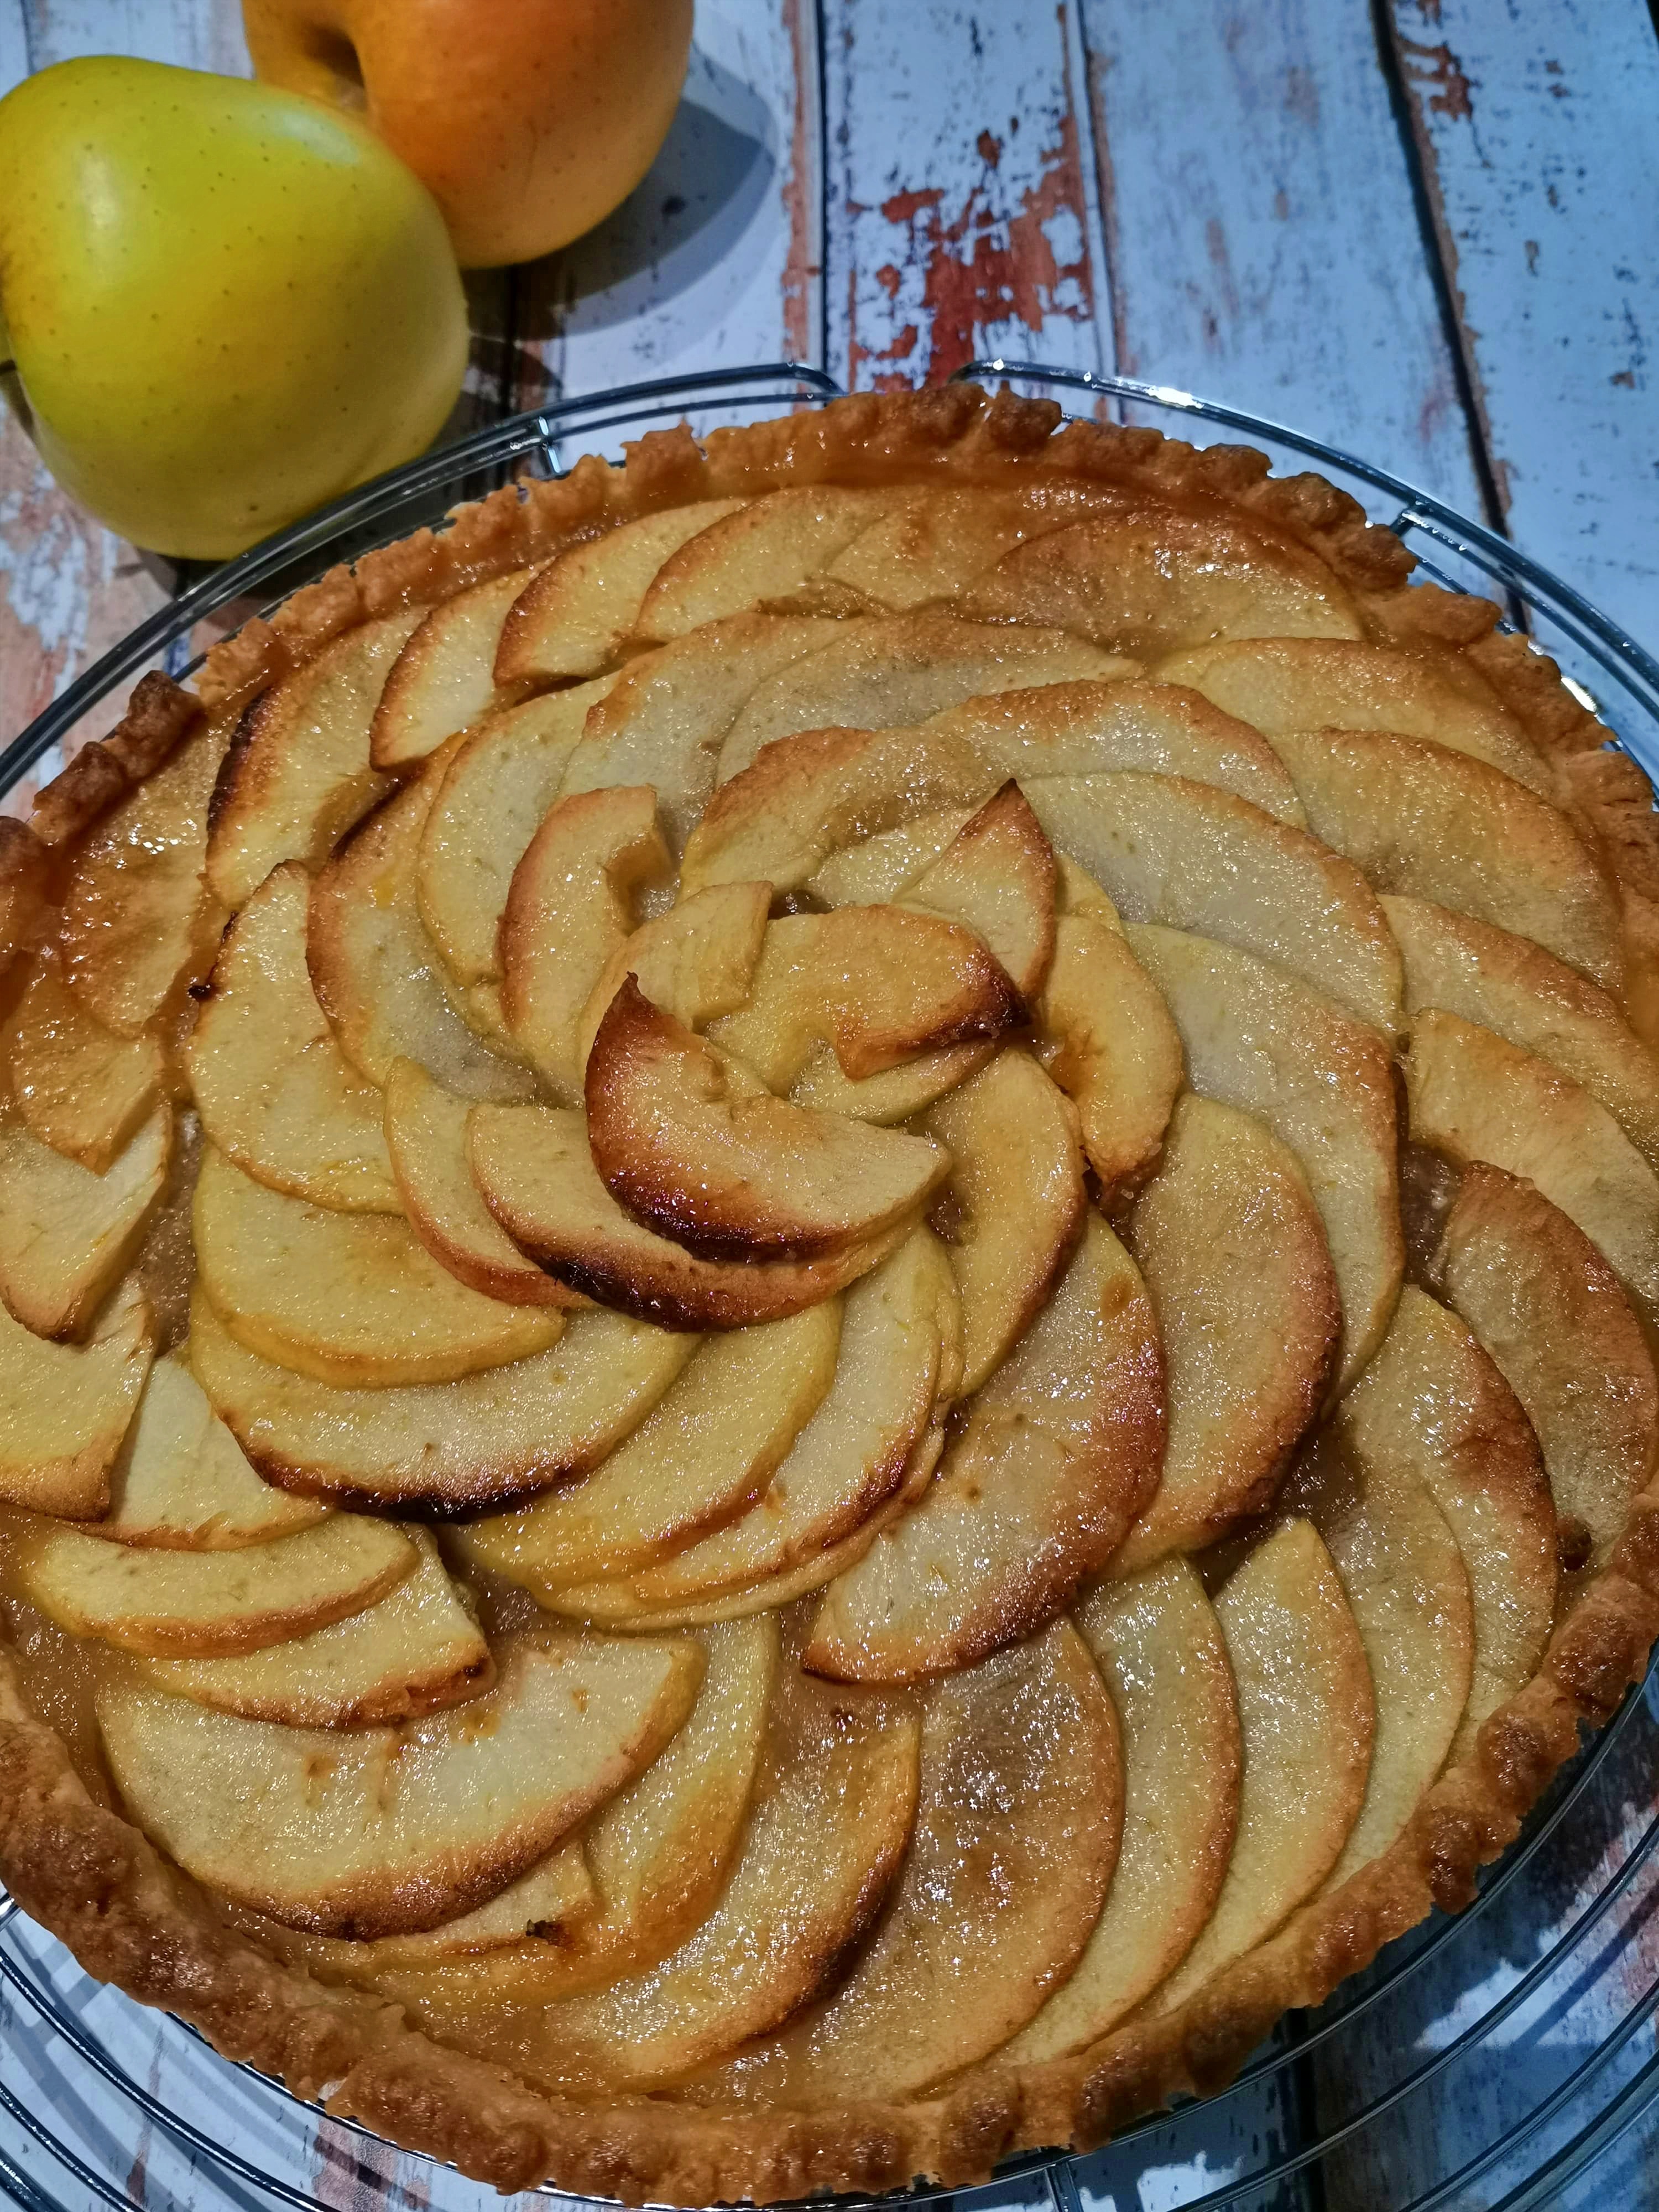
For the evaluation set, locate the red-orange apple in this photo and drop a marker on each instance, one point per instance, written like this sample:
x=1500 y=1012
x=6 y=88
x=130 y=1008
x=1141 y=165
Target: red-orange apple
x=528 y=120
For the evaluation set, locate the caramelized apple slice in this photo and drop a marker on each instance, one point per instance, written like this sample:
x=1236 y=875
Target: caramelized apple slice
x=64 y=1408
x=935 y=544
x=1058 y=1454
x=353 y=1299
x=1105 y=1036
x=1233 y=1250
x=536 y=1172
x=1474 y=1097
x=1258 y=1039
x=274 y=1090
x=763 y=551
x=1016 y=1839
x=1159 y=1644
x=182 y=1482
x=377 y=1832
x=1306 y=1716
x=1433 y=1406
x=706 y=1450
x=573 y=615
x=699 y=1151
x=441 y=1448
x=880 y=869
x=81 y=1088
x=997 y=878
x=298 y=773
x=415 y=1650
x=209 y=1604
x=441 y=681
x=696 y=961
x=547 y=1907
x=1014 y=1206
x=1546 y=1307
x=570 y=907
x=66 y=1234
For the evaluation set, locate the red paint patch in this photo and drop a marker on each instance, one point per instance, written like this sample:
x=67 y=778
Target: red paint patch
x=888 y=279
x=990 y=149
x=1439 y=69
x=800 y=268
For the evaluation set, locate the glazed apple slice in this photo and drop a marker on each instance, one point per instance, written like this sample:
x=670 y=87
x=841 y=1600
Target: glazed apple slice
x=1546 y=1307
x=414 y=1651
x=1013 y=1207
x=935 y=545
x=706 y=1450
x=441 y=681
x=878 y=870
x=997 y=878
x=763 y=551
x=81 y=1088
x=573 y=616
x=548 y=1907
x=1016 y=1839
x=1257 y=1038
x=298 y=773
x=1305 y=1713
x=354 y=1299
x=1105 y=1036
x=65 y=1409
x=536 y=1172
x=438 y=1448
x=1159 y=1644
x=1433 y=1405
x=1233 y=1251
x=696 y=961
x=209 y=1604
x=1056 y=1456
x=66 y=1234
x=699 y=1150
x=1474 y=1097
x=273 y=1089
x=381 y=1831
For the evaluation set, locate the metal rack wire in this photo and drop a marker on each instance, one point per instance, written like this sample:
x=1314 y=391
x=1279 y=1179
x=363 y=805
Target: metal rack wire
x=1346 y=2106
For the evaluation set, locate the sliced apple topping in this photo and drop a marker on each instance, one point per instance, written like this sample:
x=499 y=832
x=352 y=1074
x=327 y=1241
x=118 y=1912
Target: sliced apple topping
x=707 y=1450
x=1546 y=1307
x=1106 y=1037
x=546 y=1907
x=81 y=1088
x=209 y=1604
x=1433 y=1406
x=696 y=1150
x=490 y=1438
x=696 y=961
x=997 y=878
x=1474 y=1097
x=939 y=540
x=1159 y=1646
x=1015 y=1838
x=298 y=773
x=182 y=1483
x=275 y=1092
x=573 y=616
x=353 y=1299
x=383 y=1831
x=1233 y=1250
x=763 y=551
x=569 y=908
x=65 y=1409
x=1258 y=1039
x=442 y=681
x=1057 y=1453
x=878 y=870
x=65 y=1233
x=1305 y=1714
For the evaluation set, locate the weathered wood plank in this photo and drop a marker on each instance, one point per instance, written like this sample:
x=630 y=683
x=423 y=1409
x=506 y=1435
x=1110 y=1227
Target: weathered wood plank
x=1536 y=130
x=962 y=211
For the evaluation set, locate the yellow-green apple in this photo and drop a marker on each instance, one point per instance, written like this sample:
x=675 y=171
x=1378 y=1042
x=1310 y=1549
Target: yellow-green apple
x=529 y=119
x=225 y=305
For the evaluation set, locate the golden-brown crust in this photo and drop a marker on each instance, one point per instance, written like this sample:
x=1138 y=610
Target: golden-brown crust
x=159 y=714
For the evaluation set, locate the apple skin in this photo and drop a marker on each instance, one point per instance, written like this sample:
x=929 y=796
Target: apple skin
x=528 y=120
x=226 y=305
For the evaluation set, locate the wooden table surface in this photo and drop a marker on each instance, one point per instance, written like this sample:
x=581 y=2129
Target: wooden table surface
x=1425 y=230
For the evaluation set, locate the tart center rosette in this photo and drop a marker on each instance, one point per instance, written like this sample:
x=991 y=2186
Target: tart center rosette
x=806 y=1428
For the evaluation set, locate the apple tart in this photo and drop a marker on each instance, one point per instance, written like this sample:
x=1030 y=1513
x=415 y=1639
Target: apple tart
x=829 y=1274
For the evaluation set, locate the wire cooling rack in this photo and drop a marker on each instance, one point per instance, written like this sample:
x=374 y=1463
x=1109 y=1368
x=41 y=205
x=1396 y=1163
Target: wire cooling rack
x=1496 y=2061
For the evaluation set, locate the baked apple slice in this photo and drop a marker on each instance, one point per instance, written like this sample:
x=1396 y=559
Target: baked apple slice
x=997 y=878
x=698 y=1150
x=80 y=1087
x=414 y=1651
x=696 y=961
x=934 y=546
x=878 y=870
x=66 y=1234
x=353 y=1299
x=1257 y=1038
x=65 y=1408
x=1159 y=1644
x=275 y=1092
x=209 y=1604
x=384 y=1831
x=1056 y=1456
x=764 y=551
x=441 y=1448
x=1105 y=1036
x=546 y=1907
x=442 y=681
x=706 y=1451
x=1233 y=1251
x=182 y=1483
